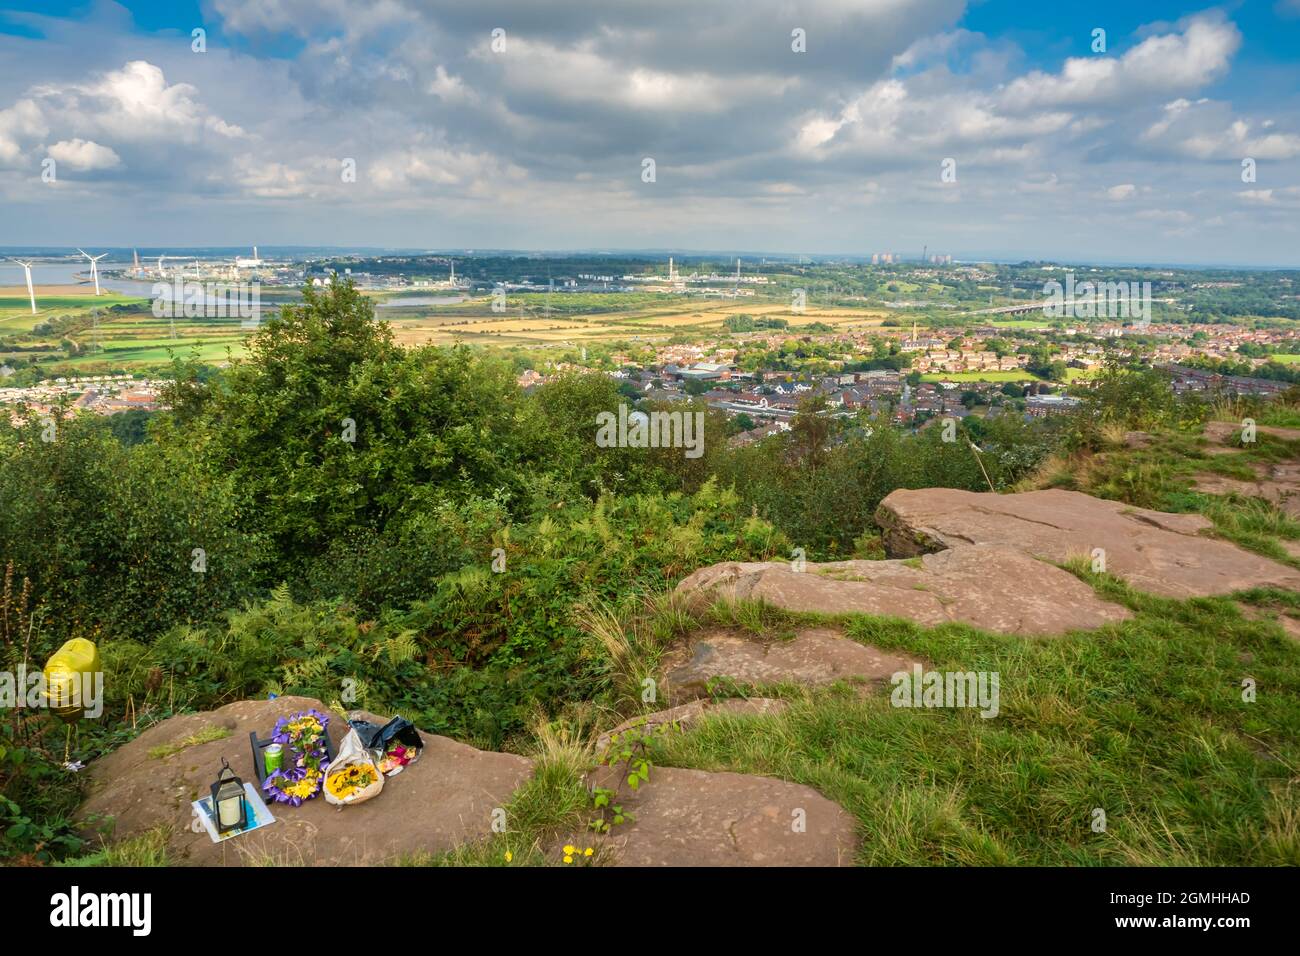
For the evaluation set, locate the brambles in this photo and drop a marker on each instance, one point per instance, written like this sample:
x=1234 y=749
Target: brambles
x=628 y=756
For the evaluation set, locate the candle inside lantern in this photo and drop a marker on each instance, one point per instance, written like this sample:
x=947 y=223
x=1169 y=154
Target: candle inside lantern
x=230 y=811
x=228 y=801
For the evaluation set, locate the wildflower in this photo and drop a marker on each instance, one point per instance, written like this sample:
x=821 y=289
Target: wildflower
x=509 y=856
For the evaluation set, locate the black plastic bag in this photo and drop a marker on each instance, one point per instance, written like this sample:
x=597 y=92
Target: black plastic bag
x=399 y=729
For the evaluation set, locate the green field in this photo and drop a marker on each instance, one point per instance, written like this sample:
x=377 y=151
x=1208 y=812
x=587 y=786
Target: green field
x=1021 y=323
x=122 y=354
x=1020 y=376
x=133 y=339
x=16 y=311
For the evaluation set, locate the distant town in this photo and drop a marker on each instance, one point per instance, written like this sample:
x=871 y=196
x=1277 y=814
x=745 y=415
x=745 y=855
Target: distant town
x=911 y=338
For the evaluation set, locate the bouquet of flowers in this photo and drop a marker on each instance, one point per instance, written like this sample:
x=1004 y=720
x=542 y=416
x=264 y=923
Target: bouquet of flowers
x=303 y=738
x=397 y=757
x=351 y=780
x=352 y=776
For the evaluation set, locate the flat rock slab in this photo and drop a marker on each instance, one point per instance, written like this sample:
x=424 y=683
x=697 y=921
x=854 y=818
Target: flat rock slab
x=1165 y=554
x=442 y=800
x=696 y=818
x=1230 y=432
x=1290 y=626
x=815 y=656
x=1277 y=484
x=994 y=587
x=690 y=713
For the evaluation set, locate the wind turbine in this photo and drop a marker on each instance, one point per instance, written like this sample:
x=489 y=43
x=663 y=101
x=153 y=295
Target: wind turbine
x=27 y=268
x=94 y=266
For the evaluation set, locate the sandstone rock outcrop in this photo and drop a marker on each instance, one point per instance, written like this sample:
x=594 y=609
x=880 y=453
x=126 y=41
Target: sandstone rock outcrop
x=694 y=818
x=445 y=799
x=995 y=587
x=1223 y=432
x=815 y=656
x=685 y=715
x=442 y=800
x=1278 y=484
x=1165 y=554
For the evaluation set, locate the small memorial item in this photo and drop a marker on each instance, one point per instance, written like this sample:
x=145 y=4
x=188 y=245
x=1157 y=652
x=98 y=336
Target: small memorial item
x=274 y=756
x=228 y=808
x=206 y=816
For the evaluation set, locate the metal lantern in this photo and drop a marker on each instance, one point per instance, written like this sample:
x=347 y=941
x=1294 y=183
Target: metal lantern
x=228 y=810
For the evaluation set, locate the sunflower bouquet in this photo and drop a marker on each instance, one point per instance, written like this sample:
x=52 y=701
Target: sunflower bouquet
x=352 y=777
x=351 y=780
x=303 y=738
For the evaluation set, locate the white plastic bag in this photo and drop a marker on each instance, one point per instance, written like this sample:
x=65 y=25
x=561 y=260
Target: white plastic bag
x=352 y=754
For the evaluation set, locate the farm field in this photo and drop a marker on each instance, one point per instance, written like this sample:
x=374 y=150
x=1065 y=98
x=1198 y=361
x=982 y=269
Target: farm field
x=643 y=317
x=134 y=339
x=1021 y=323
x=1020 y=376
x=51 y=302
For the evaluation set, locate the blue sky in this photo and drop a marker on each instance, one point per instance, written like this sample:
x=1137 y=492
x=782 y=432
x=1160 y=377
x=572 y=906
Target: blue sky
x=399 y=123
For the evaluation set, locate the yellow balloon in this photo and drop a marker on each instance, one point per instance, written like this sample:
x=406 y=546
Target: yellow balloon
x=69 y=677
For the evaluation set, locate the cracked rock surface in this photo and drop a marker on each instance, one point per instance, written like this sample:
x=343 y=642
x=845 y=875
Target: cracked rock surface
x=444 y=799
x=996 y=587
x=1164 y=554
x=815 y=656
x=695 y=818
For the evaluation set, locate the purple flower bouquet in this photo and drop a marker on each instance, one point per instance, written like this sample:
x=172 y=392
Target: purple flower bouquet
x=306 y=759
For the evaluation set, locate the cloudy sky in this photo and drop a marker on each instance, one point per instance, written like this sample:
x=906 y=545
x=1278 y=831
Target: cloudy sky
x=539 y=138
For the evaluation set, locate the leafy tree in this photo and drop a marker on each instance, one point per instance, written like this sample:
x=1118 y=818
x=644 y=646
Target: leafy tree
x=695 y=386
x=131 y=426
x=740 y=423
x=327 y=425
x=124 y=541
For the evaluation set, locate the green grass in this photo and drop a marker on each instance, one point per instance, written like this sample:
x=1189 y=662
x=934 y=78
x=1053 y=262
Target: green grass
x=553 y=801
x=16 y=311
x=1161 y=477
x=1020 y=376
x=1143 y=719
x=1280 y=416
x=206 y=735
x=147 y=849
x=1021 y=323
